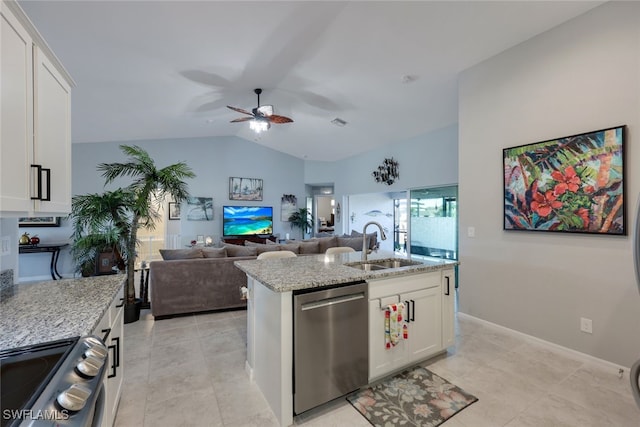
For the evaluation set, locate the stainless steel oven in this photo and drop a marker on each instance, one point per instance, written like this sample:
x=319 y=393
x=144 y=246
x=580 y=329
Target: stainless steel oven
x=56 y=383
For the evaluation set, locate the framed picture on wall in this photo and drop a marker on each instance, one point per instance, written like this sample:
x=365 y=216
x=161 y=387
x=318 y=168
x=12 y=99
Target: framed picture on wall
x=200 y=209
x=39 y=221
x=570 y=184
x=245 y=189
x=174 y=210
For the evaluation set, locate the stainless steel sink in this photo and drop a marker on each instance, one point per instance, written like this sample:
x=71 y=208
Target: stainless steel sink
x=372 y=265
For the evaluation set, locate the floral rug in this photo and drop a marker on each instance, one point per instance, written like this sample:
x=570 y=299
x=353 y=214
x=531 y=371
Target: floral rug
x=416 y=397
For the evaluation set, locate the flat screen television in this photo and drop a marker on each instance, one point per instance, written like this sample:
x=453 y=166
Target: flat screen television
x=247 y=220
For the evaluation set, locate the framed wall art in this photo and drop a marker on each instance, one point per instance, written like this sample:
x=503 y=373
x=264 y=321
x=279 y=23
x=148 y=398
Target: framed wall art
x=200 y=209
x=288 y=205
x=174 y=210
x=570 y=184
x=245 y=189
x=39 y=221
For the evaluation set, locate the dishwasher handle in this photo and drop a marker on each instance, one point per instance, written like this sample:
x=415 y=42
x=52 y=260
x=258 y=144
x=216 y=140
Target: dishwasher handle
x=332 y=301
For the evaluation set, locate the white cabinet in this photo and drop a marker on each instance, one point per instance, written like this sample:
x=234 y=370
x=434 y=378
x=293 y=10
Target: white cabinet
x=35 y=117
x=424 y=316
x=448 y=307
x=110 y=328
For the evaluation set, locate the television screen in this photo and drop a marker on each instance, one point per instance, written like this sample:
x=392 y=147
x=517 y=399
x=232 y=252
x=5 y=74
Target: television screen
x=247 y=220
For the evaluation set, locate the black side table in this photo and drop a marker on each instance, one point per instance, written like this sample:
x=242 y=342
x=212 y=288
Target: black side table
x=54 y=248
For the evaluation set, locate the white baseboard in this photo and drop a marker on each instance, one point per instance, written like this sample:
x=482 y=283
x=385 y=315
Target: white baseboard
x=583 y=356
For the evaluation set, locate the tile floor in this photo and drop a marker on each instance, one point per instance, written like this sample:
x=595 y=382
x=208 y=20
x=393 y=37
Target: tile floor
x=189 y=371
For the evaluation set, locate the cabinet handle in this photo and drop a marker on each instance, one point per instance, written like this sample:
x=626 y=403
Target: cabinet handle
x=121 y=303
x=407 y=320
x=38 y=195
x=448 y=290
x=48 y=173
x=113 y=363
x=117 y=340
x=413 y=310
x=106 y=335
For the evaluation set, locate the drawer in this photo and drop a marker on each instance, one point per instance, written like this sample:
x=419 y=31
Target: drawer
x=116 y=305
x=379 y=288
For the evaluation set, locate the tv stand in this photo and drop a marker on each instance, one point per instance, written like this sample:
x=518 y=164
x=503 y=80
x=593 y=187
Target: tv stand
x=239 y=240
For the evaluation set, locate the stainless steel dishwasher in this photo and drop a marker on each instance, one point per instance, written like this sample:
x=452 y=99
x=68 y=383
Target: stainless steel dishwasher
x=330 y=344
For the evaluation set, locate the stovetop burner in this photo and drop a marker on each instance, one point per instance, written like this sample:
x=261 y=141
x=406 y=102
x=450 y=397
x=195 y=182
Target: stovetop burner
x=26 y=371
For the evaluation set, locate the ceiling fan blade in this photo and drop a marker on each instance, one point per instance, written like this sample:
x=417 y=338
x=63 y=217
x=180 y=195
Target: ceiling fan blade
x=242 y=119
x=239 y=110
x=279 y=119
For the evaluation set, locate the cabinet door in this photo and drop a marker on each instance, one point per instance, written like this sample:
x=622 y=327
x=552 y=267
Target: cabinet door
x=448 y=308
x=16 y=113
x=424 y=319
x=382 y=360
x=52 y=134
x=115 y=374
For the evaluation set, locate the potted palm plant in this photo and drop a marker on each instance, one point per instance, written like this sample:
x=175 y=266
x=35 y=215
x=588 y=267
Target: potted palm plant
x=150 y=187
x=303 y=220
x=100 y=224
x=116 y=216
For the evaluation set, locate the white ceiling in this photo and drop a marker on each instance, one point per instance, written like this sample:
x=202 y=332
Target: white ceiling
x=167 y=69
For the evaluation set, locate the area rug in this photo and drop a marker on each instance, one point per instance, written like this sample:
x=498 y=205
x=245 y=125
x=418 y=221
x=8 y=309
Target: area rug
x=416 y=397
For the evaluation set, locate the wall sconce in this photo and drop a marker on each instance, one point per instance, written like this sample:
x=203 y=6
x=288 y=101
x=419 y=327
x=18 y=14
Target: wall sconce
x=387 y=172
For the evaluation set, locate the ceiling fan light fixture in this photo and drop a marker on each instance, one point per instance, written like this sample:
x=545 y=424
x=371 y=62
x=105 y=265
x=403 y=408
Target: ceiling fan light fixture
x=258 y=125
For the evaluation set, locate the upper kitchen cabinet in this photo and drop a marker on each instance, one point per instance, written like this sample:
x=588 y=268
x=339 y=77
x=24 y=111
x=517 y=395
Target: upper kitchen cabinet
x=35 y=121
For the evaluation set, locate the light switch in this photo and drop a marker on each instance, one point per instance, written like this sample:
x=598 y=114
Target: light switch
x=5 y=248
x=471 y=232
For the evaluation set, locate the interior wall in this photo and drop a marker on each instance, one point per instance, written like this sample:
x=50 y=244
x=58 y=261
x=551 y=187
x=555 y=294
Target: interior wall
x=581 y=76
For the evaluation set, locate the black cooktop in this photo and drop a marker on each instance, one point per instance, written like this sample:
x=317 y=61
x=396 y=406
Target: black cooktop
x=25 y=372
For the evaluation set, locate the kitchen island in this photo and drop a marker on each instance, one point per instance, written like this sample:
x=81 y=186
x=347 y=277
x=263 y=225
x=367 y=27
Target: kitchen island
x=273 y=284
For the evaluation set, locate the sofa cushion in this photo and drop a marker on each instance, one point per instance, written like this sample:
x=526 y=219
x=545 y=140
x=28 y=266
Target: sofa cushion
x=238 y=250
x=293 y=247
x=352 y=242
x=172 y=254
x=214 y=252
x=308 y=247
x=325 y=243
x=266 y=248
x=371 y=237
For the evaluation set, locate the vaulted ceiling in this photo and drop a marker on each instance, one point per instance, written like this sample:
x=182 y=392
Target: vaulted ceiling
x=168 y=69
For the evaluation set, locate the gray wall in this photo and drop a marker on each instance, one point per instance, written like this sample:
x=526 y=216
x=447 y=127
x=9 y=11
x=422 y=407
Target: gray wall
x=581 y=76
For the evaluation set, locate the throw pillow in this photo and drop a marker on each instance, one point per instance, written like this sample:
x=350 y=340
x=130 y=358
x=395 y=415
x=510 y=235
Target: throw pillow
x=352 y=242
x=214 y=252
x=307 y=247
x=172 y=254
x=238 y=250
x=270 y=242
x=267 y=248
x=325 y=243
x=293 y=247
x=250 y=243
x=371 y=237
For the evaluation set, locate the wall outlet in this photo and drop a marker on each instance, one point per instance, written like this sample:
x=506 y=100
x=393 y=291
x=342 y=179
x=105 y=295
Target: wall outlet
x=586 y=325
x=471 y=232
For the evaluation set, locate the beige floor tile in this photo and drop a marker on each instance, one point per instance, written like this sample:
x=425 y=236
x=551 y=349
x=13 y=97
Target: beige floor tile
x=534 y=370
x=554 y=411
x=197 y=409
x=166 y=336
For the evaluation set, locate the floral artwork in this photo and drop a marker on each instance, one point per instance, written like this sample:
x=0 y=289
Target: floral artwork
x=570 y=184
x=416 y=397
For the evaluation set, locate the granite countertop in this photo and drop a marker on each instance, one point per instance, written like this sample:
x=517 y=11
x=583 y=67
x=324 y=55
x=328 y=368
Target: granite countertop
x=315 y=271
x=53 y=310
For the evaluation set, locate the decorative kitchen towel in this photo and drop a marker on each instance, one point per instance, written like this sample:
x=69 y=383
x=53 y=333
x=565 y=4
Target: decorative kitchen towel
x=393 y=331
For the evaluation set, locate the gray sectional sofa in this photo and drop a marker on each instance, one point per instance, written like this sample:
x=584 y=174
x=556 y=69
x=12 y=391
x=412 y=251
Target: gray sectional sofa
x=205 y=279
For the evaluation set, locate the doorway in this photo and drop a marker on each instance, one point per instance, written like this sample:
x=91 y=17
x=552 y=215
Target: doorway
x=434 y=222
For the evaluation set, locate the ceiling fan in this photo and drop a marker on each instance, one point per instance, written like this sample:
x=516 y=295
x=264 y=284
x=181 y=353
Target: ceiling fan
x=261 y=117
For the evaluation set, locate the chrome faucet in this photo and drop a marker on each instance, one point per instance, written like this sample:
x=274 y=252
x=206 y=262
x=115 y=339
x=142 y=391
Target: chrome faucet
x=364 y=238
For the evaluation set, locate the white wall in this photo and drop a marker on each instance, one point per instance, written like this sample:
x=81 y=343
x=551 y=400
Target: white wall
x=579 y=77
